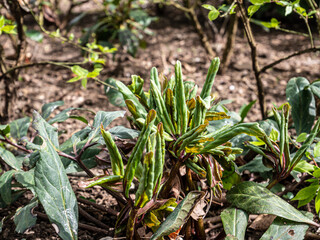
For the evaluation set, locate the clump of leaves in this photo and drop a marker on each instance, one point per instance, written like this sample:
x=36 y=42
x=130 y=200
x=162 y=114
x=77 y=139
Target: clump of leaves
x=125 y=22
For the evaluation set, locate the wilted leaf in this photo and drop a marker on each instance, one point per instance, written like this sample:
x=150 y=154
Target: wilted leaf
x=179 y=216
x=235 y=222
x=253 y=198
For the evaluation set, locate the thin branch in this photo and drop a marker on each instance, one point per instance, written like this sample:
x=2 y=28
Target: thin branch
x=81 y=225
x=308 y=50
x=97 y=206
x=91 y=218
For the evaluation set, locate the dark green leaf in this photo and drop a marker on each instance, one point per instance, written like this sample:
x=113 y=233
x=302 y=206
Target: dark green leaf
x=114 y=96
x=52 y=185
x=302 y=102
x=48 y=108
x=179 y=216
x=4 y=129
x=19 y=128
x=283 y=229
x=315 y=88
x=24 y=217
x=5 y=186
x=253 y=198
x=235 y=222
x=245 y=109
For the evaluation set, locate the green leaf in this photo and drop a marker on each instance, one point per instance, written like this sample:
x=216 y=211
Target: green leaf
x=48 y=108
x=255 y=199
x=4 y=129
x=114 y=96
x=316 y=173
x=179 y=216
x=45 y=129
x=105 y=118
x=235 y=222
x=213 y=14
x=306 y=192
x=34 y=35
x=259 y=2
x=19 y=128
x=79 y=71
x=124 y=133
x=302 y=137
x=10 y=159
x=303 y=104
x=104 y=180
x=26 y=178
x=252 y=9
x=5 y=186
x=317 y=203
x=304 y=166
x=283 y=229
x=209 y=7
x=315 y=88
x=243 y=112
x=274 y=135
x=52 y=185
x=316 y=150
x=24 y=217
x=288 y=10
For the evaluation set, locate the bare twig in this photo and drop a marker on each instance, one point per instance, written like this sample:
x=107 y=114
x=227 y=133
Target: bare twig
x=254 y=58
x=97 y=206
x=270 y=65
x=81 y=225
x=92 y=219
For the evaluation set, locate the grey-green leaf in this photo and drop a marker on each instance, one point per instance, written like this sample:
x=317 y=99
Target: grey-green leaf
x=302 y=102
x=44 y=129
x=53 y=188
x=48 y=108
x=283 y=229
x=124 y=133
x=179 y=216
x=26 y=178
x=19 y=127
x=10 y=159
x=253 y=198
x=235 y=222
x=5 y=186
x=24 y=218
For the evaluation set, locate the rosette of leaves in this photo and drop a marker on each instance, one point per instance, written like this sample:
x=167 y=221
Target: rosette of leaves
x=281 y=152
x=185 y=117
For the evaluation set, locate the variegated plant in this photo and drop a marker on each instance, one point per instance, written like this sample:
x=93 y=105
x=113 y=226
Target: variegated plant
x=173 y=122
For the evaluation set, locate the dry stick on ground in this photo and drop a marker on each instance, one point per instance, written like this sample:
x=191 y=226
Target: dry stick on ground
x=98 y=206
x=81 y=225
x=92 y=219
x=254 y=58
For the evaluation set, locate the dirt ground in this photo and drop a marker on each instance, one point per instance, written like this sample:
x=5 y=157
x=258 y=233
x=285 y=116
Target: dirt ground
x=174 y=39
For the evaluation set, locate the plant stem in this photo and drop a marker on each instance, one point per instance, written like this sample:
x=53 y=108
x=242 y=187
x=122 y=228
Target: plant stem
x=254 y=58
x=271 y=184
x=131 y=223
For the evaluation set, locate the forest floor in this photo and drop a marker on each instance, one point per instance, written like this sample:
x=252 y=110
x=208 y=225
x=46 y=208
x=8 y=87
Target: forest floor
x=174 y=39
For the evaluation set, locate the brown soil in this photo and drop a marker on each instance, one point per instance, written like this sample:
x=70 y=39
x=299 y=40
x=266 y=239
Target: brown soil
x=174 y=39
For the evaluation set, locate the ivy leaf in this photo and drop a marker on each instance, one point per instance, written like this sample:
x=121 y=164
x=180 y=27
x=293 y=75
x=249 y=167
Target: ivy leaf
x=253 y=198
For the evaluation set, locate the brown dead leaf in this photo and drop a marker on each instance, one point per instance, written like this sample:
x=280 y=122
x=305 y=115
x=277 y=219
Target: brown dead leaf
x=262 y=222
